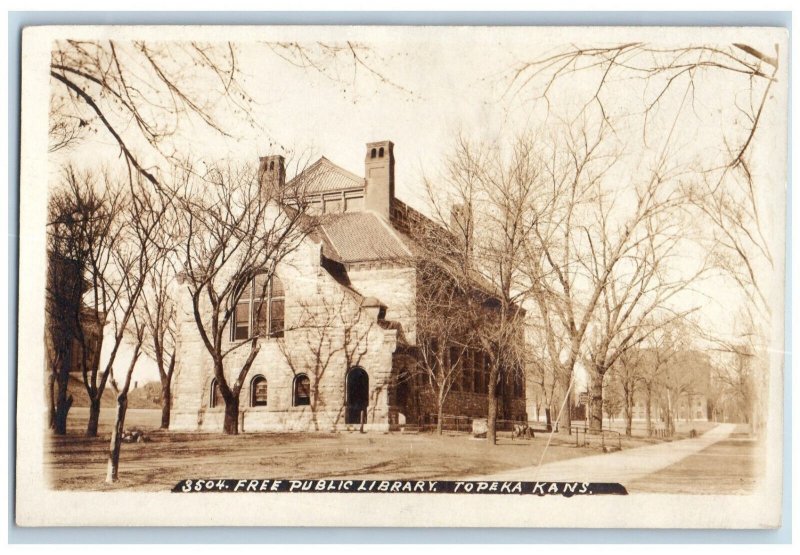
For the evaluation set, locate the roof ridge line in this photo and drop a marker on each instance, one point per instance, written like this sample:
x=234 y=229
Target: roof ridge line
x=330 y=241
x=394 y=233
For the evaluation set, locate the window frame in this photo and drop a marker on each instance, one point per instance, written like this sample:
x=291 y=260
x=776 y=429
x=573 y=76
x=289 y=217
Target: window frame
x=257 y=379
x=295 y=384
x=214 y=393
x=254 y=307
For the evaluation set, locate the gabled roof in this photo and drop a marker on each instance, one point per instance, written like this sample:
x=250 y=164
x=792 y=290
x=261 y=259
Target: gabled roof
x=324 y=176
x=361 y=237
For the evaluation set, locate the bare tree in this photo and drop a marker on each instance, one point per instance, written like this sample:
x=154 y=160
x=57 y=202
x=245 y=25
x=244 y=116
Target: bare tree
x=722 y=179
x=542 y=355
x=574 y=161
x=444 y=329
x=680 y=374
x=636 y=295
x=72 y=216
x=143 y=268
x=139 y=93
x=235 y=231
x=65 y=287
x=493 y=187
x=657 y=352
x=329 y=332
x=627 y=373
x=669 y=81
x=143 y=94
x=88 y=221
x=614 y=401
x=158 y=314
x=121 y=394
x=740 y=376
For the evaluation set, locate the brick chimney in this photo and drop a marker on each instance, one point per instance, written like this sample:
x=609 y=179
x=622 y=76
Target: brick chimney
x=271 y=172
x=379 y=173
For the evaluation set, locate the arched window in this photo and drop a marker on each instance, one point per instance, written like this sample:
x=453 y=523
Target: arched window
x=373 y=153
x=216 y=399
x=380 y=153
x=260 y=308
x=258 y=391
x=302 y=391
x=272 y=165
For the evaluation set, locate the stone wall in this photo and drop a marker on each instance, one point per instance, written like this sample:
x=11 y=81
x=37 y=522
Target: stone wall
x=327 y=333
x=394 y=286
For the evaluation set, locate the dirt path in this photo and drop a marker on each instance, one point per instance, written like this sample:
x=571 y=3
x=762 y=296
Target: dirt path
x=622 y=466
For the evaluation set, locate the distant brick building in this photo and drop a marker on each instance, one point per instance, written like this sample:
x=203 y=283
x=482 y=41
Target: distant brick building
x=340 y=332
x=65 y=311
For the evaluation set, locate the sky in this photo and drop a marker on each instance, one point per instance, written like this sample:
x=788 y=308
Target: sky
x=420 y=89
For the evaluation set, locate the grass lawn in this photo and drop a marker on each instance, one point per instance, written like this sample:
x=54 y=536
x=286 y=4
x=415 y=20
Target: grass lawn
x=639 y=427
x=732 y=466
x=77 y=462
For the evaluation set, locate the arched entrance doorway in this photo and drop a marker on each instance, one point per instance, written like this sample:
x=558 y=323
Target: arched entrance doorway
x=357 y=399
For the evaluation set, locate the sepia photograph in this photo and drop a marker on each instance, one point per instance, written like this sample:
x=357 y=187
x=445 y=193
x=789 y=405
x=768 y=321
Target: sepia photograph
x=484 y=276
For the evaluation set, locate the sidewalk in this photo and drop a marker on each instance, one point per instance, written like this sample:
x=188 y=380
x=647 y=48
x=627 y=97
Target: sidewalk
x=621 y=466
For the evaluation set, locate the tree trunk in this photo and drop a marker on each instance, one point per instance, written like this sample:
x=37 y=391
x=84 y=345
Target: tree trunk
x=63 y=402
x=629 y=422
x=670 y=423
x=51 y=400
x=629 y=402
x=439 y=415
x=491 y=420
x=313 y=406
x=596 y=395
x=565 y=417
x=112 y=473
x=648 y=412
x=166 y=402
x=491 y=417
x=94 y=417
x=549 y=418
x=231 y=423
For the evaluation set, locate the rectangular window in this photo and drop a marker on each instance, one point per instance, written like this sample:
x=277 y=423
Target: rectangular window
x=260 y=317
x=477 y=371
x=260 y=392
x=241 y=325
x=314 y=206
x=333 y=204
x=353 y=204
x=302 y=391
x=277 y=307
x=466 y=370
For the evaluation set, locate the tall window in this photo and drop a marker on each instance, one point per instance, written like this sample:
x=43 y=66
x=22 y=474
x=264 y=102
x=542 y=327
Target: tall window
x=302 y=391
x=455 y=368
x=466 y=371
x=477 y=372
x=260 y=308
x=216 y=395
x=258 y=392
